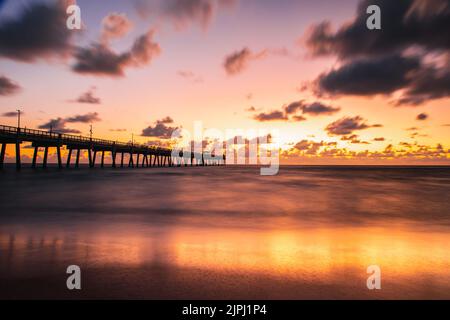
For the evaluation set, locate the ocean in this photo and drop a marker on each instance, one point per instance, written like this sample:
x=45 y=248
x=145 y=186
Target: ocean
x=226 y=232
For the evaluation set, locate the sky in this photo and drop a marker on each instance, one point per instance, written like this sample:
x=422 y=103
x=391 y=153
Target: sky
x=337 y=92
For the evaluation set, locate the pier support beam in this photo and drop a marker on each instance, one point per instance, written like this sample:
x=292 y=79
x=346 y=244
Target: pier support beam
x=113 y=158
x=44 y=164
x=103 y=159
x=35 y=153
x=58 y=153
x=2 y=155
x=77 y=162
x=121 y=160
x=90 y=158
x=18 y=162
x=69 y=155
x=131 y=162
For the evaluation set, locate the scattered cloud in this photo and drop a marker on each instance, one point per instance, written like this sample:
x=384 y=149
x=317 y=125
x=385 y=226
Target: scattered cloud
x=114 y=26
x=347 y=125
x=11 y=114
x=189 y=75
x=270 y=116
x=160 y=129
x=59 y=124
x=99 y=59
x=238 y=61
x=422 y=116
x=317 y=108
x=8 y=87
x=379 y=139
x=89 y=97
x=185 y=13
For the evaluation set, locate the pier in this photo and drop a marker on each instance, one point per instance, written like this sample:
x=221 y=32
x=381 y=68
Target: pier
x=139 y=155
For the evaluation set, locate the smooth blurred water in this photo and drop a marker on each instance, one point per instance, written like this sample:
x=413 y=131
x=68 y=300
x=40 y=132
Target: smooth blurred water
x=226 y=232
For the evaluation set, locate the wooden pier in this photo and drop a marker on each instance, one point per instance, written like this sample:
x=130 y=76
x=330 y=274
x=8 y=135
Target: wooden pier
x=139 y=155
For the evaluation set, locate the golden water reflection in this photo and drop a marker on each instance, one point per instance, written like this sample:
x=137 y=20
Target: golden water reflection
x=324 y=255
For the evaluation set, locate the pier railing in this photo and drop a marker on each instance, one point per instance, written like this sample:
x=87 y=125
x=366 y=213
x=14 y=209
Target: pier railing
x=54 y=139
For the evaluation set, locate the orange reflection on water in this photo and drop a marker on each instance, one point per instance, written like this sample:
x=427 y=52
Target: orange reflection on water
x=320 y=255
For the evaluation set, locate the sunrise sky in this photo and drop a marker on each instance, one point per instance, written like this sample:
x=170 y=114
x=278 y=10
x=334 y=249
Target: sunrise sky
x=336 y=91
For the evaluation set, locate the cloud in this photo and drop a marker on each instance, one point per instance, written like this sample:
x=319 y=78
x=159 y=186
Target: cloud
x=318 y=108
x=347 y=125
x=270 y=116
x=115 y=25
x=298 y=118
x=189 y=75
x=381 y=62
x=381 y=75
x=118 y=130
x=160 y=129
x=8 y=87
x=11 y=114
x=59 y=124
x=99 y=59
x=88 y=97
x=404 y=25
x=38 y=32
x=353 y=139
x=238 y=61
x=184 y=13
x=422 y=116
x=84 y=118
x=293 y=107
x=379 y=139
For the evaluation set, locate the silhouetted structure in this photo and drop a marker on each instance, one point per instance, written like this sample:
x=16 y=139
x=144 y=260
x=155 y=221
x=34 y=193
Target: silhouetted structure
x=151 y=156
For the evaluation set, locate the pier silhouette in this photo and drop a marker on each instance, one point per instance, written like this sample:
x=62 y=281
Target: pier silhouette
x=146 y=156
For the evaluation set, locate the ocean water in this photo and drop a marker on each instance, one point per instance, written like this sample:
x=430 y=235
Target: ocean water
x=226 y=232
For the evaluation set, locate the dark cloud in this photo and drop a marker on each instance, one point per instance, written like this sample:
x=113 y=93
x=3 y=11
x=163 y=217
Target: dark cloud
x=379 y=139
x=427 y=83
x=8 y=87
x=99 y=59
x=160 y=129
x=293 y=107
x=270 y=116
x=59 y=124
x=377 y=62
x=84 y=118
x=88 y=97
x=38 y=32
x=422 y=116
x=382 y=75
x=165 y=120
x=347 y=125
x=405 y=23
x=238 y=61
x=11 y=114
